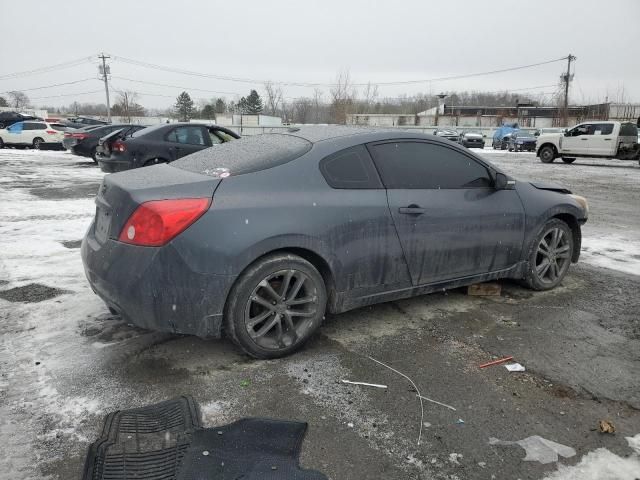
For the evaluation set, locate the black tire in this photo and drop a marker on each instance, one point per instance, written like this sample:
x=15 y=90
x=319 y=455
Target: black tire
x=94 y=154
x=510 y=149
x=36 y=142
x=568 y=160
x=493 y=144
x=282 y=333
x=543 y=275
x=547 y=154
x=1 y=143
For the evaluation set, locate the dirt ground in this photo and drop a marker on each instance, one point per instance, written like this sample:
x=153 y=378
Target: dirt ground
x=65 y=361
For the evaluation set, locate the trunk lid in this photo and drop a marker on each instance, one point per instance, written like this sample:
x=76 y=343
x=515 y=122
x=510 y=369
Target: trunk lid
x=104 y=143
x=121 y=193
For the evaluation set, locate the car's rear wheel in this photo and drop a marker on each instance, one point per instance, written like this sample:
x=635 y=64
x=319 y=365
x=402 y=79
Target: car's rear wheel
x=547 y=154
x=94 y=155
x=36 y=142
x=550 y=256
x=568 y=160
x=275 y=306
x=1 y=143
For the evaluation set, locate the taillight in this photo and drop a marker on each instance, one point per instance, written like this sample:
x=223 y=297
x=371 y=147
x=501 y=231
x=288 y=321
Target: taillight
x=51 y=132
x=119 y=146
x=80 y=136
x=67 y=135
x=157 y=222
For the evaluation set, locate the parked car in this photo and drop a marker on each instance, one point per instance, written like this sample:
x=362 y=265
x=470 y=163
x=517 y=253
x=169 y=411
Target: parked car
x=81 y=122
x=31 y=134
x=258 y=237
x=448 y=133
x=158 y=144
x=591 y=139
x=542 y=131
x=503 y=142
x=84 y=141
x=499 y=141
x=9 y=118
x=472 y=139
x=521 y=140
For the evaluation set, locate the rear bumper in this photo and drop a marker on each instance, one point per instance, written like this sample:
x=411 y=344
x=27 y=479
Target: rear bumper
x=473 y=144
x=153 y=288
x=109 y=165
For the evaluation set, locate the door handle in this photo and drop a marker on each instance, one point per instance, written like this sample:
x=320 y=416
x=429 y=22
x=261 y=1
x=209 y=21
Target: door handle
x=607 y=139
x=412 y=210
x=584 y=139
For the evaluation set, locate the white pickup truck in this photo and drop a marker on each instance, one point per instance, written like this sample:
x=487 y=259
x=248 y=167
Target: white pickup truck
x=591 y=139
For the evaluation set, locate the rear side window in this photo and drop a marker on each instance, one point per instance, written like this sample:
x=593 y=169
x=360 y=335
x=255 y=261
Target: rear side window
x=350 y=168
x=186 y=135
x=602 y=129
x=410 y=165
x=58 y=127
x=245 y=155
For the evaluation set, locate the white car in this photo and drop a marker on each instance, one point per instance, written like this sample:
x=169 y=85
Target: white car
x=31 y=134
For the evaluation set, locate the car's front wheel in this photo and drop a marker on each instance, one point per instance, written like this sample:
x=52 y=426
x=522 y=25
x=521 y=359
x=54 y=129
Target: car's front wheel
x=547 y=154
x=37 y=142
x=275 y=306
x=550 y=256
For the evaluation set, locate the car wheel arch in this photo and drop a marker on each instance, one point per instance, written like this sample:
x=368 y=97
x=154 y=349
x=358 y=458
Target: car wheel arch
x=548 y=144
x=317 y=260
x=573 y=224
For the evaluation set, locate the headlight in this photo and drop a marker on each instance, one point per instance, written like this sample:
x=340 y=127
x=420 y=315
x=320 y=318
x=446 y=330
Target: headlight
x=582 y=201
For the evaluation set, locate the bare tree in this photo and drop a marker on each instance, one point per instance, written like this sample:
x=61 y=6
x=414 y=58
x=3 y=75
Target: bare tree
x=317 y=101
x=126 y=106
x=302 y=109
x=18 y=100
x=273 y=95
x=342 y=97
x=369 y=96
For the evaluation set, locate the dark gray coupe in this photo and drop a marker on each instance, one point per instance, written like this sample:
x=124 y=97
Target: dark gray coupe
x=258 y=237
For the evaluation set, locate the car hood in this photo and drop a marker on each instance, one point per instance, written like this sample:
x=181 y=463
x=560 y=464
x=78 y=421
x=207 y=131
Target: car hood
x=554 y=187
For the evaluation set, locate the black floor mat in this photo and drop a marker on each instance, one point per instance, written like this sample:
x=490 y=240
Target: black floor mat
x=165 y=441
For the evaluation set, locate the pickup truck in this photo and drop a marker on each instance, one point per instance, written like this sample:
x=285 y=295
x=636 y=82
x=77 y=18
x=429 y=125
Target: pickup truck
x=600 y=139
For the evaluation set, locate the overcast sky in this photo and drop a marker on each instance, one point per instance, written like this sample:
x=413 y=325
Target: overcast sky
x=310 y=41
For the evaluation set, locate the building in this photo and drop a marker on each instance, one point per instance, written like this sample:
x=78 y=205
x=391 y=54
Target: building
x=526 y=115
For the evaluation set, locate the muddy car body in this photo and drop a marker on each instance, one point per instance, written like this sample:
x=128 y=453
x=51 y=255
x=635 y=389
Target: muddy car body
x=259 y=236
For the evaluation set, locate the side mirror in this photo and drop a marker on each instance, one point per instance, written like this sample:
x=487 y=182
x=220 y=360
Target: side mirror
x=502 y=182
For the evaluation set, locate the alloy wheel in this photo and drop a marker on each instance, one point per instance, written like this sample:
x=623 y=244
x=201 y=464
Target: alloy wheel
x=281 y=309
x=553 y=255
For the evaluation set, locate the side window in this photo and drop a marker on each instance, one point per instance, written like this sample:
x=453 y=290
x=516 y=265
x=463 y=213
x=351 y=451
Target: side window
x=215 y=139
x=186 y=135
x=27 y=126
x=602 y=129
x=350 y=168
x=406 y=165
x=36 y=126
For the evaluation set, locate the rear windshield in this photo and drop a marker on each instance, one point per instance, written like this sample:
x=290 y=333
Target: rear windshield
x=248 y=154
x=628 y=130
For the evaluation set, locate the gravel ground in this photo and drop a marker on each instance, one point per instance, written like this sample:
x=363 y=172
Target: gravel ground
x=65 y=361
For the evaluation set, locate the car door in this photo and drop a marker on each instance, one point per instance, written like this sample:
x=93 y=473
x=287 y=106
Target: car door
x=602 y=140
x=450 y=220
x=15 y=133
x=187 y=139
x=576 y=140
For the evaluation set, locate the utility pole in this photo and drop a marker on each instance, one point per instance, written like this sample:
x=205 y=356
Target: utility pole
x=567 y=79
x=105 y=70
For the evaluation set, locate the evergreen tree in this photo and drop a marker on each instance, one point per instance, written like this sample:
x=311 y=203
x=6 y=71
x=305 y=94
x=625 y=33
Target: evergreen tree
x=208 y=112
x=220 y=106
x=242 y=106
x=253 y=103
x=3 y=102
x=184 y=107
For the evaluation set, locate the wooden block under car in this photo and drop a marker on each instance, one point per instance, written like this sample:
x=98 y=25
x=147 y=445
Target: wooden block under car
x=484 y=289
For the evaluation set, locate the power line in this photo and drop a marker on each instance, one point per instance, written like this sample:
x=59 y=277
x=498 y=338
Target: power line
x=50 y=68
x=51 y=86
x=67 y=95
x=313 y=84
x=176 y=86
